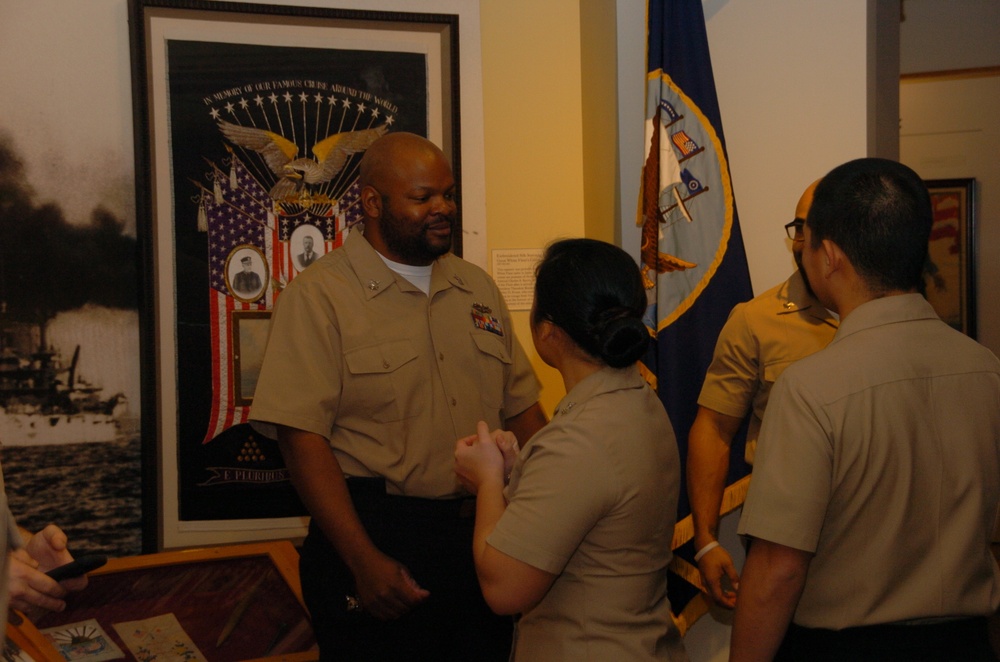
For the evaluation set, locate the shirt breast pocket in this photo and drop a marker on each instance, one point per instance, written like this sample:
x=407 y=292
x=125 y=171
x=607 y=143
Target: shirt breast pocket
x=771 y=373
x=773 y=370
x=385 y=384
x=493 y=360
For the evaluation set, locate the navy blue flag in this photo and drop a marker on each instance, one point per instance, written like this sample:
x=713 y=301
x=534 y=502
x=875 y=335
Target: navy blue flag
x=692 y=252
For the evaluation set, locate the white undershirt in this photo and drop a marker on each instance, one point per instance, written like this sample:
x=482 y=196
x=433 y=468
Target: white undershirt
x=419 y=276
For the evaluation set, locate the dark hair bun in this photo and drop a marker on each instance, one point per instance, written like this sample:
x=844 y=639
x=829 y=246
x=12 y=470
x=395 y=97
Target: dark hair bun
x=623 y=341
x=593 y=291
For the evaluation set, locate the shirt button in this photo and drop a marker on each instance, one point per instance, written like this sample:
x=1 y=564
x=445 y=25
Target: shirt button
x=441 y=356
x=454 y=402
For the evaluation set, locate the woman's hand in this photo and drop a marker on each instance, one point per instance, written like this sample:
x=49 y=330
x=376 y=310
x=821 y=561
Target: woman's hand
x=509 y=448
x=479 y=460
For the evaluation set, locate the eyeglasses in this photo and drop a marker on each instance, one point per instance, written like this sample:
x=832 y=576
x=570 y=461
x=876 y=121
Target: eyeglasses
x=794 y=229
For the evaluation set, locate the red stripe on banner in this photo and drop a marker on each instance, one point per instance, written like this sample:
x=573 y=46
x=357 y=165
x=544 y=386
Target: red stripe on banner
x=213 y=422
x=225 y=332
x=224 y=412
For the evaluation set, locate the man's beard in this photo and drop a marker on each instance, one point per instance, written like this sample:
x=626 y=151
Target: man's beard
x=412 y=248
x=805 y=277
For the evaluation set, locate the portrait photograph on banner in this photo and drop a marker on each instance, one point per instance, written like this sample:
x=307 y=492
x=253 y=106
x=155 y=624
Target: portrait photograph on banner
x=255 y=134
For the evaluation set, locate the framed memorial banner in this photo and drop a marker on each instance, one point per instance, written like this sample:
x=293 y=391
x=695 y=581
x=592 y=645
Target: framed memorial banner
x=251 y=120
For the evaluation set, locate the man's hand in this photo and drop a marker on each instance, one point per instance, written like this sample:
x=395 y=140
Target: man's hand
x=717 y=570
x=707 y=465
x=385 y=588
x=48 y=548
x=31 y=590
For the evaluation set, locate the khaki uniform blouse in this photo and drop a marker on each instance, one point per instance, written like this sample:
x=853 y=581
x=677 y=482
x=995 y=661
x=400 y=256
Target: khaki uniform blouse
x=593 y=499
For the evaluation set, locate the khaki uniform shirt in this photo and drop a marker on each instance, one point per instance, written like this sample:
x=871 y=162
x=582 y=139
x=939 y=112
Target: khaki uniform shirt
x=760 y=339
x=881 y=455
x=391 y=376
x=593 y=498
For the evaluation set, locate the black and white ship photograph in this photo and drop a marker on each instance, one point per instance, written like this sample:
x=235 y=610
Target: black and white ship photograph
x=69 y=345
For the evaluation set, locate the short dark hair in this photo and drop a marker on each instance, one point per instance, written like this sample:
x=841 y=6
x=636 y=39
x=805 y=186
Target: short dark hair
x=879 y=213
x=593 y=291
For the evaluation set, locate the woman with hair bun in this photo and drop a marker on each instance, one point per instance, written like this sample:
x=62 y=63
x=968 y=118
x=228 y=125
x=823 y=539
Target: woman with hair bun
x=574 y=532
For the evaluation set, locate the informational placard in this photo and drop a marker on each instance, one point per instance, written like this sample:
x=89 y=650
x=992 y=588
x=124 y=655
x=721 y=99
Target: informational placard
x=514 y=273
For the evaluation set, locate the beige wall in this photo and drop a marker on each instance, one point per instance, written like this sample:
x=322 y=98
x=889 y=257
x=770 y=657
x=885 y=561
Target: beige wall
x=533 y=126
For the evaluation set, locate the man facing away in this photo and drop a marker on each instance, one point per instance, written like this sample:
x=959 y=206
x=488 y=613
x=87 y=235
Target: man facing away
x=380 y=355
x=759 y=340
x=877 y=478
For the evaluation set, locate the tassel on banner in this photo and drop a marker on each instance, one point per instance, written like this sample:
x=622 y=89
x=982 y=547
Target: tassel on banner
x=232 y=175
x=202 y=218
x=218 y=192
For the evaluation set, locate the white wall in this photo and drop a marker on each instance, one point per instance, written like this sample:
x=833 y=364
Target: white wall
x=940 y=35
x=793 y=105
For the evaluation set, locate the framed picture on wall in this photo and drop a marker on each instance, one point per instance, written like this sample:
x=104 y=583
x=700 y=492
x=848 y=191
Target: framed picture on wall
x=239 y=188
x=950 y=275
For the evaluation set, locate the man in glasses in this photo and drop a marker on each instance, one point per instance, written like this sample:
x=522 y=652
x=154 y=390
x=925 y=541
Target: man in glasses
x=761 y=338
x=877 y=483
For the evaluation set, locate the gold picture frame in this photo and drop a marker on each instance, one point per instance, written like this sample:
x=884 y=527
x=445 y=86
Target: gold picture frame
x=950 y=275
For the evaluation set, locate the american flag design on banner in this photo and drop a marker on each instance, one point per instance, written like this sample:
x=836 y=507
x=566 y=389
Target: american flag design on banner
x=244 y=229
x=271 y=211
x=236 y=214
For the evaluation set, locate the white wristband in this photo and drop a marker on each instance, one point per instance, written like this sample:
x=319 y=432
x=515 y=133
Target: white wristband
x=705 y=550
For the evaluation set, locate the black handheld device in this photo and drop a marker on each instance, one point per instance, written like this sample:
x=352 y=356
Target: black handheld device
x=77 y=567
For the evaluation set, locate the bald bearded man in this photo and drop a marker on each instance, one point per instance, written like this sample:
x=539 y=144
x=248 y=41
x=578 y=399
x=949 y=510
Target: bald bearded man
x=380 y=355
